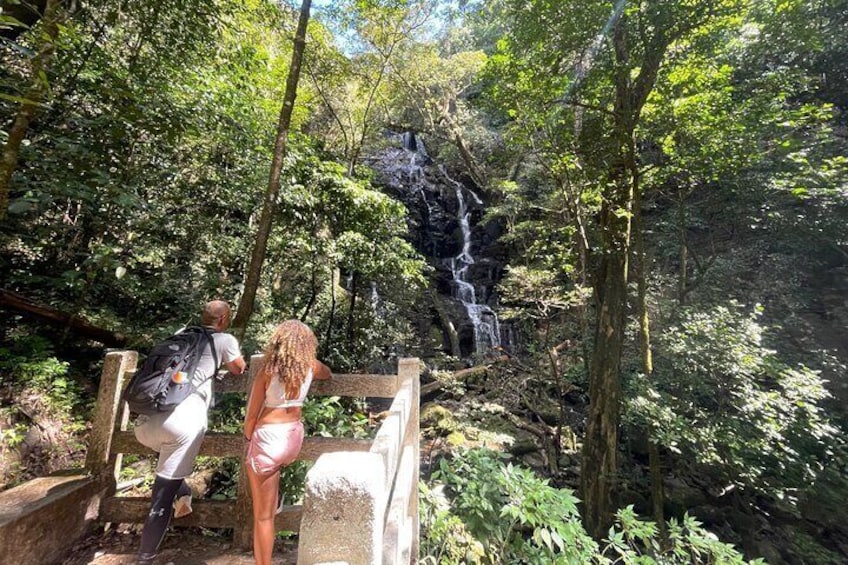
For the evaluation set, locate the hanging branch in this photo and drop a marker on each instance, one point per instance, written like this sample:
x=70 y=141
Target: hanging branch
x=15 y=302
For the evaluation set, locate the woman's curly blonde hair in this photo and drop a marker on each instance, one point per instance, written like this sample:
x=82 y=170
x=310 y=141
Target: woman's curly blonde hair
x=290 y=354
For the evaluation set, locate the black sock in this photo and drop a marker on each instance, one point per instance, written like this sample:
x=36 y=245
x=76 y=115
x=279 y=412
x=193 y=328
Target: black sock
x=161 y=509
x=183 y=490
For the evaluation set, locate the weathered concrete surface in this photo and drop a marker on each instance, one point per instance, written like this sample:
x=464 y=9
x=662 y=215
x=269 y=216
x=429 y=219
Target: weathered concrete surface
x=42 y=518
x=343 y=510
x=109 y=411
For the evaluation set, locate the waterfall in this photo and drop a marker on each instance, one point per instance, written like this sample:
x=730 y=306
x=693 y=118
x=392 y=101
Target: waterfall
x=405 y=167
x=410 y=143
x=418 y=157
x=375 y=298
x=484 y=321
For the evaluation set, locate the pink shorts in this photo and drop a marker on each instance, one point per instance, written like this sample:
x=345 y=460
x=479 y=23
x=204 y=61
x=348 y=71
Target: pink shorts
x=273 y=446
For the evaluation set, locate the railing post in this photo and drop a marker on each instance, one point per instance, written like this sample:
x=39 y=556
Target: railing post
x=99 y=459
x=409 y=368
x=344 y=510
x=243 y=532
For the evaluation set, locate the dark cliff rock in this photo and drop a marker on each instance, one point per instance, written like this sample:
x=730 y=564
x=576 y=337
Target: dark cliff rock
x=432 y=196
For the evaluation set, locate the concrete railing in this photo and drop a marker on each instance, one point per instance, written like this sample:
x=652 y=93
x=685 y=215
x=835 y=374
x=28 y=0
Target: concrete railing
x=386 y=467
x=362 y=507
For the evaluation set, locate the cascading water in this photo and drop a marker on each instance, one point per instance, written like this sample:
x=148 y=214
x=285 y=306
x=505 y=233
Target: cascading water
x=415 y=169
x=437 y=205
x=483 y=319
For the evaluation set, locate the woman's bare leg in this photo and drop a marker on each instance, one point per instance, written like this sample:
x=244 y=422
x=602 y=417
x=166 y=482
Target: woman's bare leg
x=263 y=491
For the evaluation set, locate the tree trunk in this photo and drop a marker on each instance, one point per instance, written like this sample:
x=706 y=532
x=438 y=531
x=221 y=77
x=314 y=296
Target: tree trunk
x=257 y=258
x=30 y=106
x=654 y=461
x=351 y=319
x=17 y=303
x=313 y=293
x=642 y=285
x=149 y=24
x=572 y=201
x=474 y=171
x=556 y=373
x=684 y=251
x=598 y=476
x=334 y=282
x=455 y=132
x=447 y=325
x=356 y=145
x=600 y=447
x=657 y=492
x=599 y=469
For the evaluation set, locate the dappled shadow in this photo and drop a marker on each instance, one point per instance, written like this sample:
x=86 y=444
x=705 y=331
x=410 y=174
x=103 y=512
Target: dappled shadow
x=194 y=546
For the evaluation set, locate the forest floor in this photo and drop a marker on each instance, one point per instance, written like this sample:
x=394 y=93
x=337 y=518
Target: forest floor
x=180 y=547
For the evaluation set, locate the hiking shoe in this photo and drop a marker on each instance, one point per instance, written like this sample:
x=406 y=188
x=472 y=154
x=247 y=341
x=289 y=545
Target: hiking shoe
x=182 y=506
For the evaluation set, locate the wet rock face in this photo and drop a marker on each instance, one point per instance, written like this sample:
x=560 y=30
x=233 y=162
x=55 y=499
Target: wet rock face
x=433 y=224
x=444 y=226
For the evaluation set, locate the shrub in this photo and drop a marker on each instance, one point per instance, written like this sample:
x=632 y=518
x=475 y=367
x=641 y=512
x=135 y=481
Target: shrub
x=723 y=399
x=41 y=419
x=482 y=509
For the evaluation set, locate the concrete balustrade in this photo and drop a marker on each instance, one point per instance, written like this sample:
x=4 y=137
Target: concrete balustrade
x=379 y=523
x=344 y=510
x=361 y=503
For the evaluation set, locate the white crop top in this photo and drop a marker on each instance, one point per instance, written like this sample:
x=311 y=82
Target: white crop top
x=275 y=394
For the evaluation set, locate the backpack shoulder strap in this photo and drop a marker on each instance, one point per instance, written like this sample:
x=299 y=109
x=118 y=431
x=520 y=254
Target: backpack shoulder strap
x=209 y=339
x=207 y=333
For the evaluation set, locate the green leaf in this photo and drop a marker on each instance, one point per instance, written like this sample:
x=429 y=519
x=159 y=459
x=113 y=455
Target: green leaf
x=20 y=206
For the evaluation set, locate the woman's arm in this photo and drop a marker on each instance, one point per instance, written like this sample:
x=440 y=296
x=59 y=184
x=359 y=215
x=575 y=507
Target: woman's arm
x=320 y=372
x=254 y=403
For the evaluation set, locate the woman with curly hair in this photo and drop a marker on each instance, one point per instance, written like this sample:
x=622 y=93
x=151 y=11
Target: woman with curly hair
x=272 y=423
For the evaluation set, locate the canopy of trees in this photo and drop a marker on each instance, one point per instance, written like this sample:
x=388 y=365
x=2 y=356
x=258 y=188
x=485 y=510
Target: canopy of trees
x=662 y=187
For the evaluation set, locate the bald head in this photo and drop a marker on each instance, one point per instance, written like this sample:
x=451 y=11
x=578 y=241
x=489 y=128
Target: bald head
x=216 y=314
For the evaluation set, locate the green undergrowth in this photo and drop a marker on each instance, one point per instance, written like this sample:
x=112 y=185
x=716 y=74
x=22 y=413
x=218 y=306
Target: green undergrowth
x=468 y=424
x=43 y=411
x=480 y=508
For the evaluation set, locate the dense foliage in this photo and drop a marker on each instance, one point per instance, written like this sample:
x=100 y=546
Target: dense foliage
x=43 y=410
x=663 y=192
x=720 y=398
x=136 y=192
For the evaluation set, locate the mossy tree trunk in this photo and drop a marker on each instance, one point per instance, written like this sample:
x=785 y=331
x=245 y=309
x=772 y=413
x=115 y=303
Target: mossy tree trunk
x=32 y=102
x=654 y=461
x=600 y=447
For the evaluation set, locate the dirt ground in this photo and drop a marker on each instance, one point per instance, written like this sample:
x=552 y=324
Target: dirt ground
x=180 y=547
